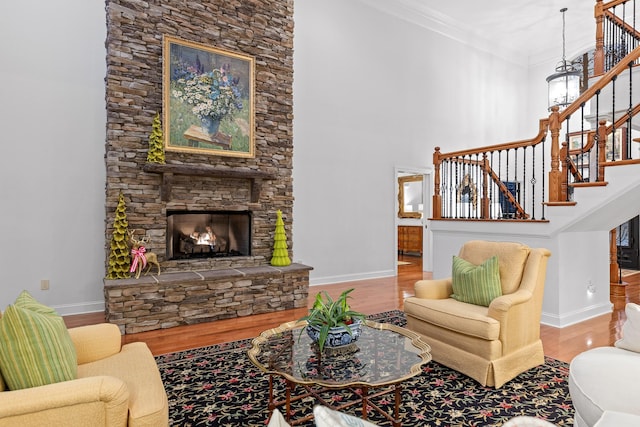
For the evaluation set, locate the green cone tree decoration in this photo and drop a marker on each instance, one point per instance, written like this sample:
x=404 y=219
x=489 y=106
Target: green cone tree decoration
x=156 y=145
x=280 y=256
x=119 y=258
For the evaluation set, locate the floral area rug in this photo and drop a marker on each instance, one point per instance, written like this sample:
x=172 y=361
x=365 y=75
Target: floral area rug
x=219 y=386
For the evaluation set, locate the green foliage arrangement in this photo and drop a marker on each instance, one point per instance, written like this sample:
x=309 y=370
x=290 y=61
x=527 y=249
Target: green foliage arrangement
x=235 y=125
x=280 y=257
x=327 y=313
x=156 y=144
x=213 y=94
x=119 y=258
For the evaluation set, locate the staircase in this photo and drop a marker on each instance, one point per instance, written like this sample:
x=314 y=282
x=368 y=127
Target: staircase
x=563 y=189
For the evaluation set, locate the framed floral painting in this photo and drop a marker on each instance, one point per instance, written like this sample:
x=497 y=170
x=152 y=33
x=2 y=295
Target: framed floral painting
x=208 y=99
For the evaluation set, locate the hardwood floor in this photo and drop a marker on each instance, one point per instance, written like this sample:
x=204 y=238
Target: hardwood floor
x=371 y=296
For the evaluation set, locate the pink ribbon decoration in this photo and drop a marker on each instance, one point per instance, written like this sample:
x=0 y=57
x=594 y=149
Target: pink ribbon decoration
x=138 y=254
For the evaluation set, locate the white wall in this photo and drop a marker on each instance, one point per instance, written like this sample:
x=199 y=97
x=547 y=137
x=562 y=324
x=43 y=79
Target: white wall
x=537 y=93
x=575 y=302
x=373 y=92
x=52 y=168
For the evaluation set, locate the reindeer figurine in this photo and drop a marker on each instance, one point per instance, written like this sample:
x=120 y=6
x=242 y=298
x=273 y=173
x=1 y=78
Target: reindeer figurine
x=140 y=257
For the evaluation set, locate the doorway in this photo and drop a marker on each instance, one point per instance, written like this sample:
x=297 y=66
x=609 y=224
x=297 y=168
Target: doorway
x=412 y=208
x=627 y=237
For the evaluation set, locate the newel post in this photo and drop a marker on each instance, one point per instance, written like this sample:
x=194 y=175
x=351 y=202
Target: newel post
x=602 y=150
x=564 y=178
x=555 y=178
x=598 y=56
x=437 y=198
x=614 y=267
x=486 y=208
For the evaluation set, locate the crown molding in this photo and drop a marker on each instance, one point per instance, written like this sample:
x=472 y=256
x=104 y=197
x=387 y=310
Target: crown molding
x=416 y=12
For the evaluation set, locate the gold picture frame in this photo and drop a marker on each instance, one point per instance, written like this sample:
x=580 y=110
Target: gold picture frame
x=208 y=99
x=620 y=152
x=467 y=192
x=577 y=139
x=403 y=183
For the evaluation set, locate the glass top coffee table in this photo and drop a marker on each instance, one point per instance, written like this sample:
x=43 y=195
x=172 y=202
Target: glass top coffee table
x=384 y=356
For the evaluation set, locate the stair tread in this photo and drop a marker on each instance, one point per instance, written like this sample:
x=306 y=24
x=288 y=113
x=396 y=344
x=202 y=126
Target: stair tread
x=589 y=184
x=560 y=203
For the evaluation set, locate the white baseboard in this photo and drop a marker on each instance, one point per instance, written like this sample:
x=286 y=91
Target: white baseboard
x=350 y=277
x=81 y=308
x=571 y=318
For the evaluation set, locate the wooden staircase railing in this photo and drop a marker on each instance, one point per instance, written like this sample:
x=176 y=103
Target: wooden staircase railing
x=513 y=175
x=507 y=194
x=510 y=188
x=608 y=143
x=580 y=142
x=616 y=33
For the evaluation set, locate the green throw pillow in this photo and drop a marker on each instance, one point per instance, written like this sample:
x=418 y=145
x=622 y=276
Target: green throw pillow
x=36 y=348
x=476 y=284
x=3 y=387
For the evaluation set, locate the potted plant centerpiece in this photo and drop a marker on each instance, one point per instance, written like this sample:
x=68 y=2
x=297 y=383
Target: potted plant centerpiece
x=331 y=322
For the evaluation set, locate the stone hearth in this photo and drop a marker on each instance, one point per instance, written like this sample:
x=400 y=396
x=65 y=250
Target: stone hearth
x=174 y=299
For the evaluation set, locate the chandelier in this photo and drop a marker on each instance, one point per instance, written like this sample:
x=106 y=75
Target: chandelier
x=564 y=84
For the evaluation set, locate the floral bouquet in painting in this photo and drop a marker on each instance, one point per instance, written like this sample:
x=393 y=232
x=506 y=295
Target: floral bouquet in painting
x=208 y=99
x=212 y=95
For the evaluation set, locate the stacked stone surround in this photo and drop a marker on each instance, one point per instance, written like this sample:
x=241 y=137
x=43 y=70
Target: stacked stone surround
x=135 y=29
x=173 y=299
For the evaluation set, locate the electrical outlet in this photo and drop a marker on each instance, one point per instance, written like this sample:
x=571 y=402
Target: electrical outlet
x=590 y=287
x=44 y=284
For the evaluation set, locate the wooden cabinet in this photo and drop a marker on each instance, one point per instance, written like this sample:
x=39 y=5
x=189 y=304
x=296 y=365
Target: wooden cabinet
x=409 y=239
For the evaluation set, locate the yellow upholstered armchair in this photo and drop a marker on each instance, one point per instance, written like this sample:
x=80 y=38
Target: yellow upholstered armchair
x=117 y=385
x=491 y=344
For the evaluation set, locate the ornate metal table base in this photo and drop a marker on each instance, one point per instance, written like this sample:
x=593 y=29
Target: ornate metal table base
x=316 y=392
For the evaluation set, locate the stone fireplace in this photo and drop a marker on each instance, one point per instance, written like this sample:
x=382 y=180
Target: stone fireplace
x=230 y=192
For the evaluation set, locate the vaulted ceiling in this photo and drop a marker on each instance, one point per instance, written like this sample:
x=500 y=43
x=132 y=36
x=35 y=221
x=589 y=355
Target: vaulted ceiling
x=527 y=31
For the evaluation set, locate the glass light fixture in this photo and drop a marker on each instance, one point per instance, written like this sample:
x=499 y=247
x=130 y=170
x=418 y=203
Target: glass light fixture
x=564 y=84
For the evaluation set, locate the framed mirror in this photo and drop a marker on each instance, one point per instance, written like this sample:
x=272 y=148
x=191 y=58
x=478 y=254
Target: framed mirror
x=410 y=203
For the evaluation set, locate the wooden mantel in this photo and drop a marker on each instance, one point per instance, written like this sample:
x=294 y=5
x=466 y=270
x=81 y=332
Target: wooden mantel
x=169 y=170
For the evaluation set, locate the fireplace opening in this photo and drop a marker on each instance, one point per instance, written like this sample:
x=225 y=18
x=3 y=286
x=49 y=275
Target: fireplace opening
x=208 y=234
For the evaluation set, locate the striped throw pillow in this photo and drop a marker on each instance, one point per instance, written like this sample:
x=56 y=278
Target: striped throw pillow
x=35 y=346
x=476 y=284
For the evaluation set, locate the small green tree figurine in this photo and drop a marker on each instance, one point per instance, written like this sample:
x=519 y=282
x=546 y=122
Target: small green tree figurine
x=156 y=146
x=119 y=258
x=280 y=256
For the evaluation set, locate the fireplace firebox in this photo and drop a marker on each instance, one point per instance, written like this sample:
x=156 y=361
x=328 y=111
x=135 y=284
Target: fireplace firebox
x=208 y=234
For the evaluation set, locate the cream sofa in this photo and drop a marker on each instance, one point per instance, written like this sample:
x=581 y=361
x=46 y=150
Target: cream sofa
x=325 y=417
x=489 y=344
x=116 y=386
x=604 y=382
